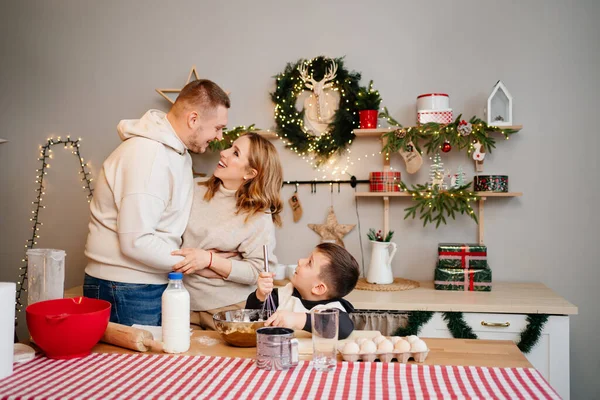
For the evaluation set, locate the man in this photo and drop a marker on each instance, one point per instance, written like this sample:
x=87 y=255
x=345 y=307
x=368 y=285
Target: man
x=142 y=202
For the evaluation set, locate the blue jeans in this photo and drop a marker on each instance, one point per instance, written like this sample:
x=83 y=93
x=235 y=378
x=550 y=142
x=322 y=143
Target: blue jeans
x=131 y=303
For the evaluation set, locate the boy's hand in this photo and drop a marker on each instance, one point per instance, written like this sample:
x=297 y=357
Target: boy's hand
x=265 y=285
x=287 y=319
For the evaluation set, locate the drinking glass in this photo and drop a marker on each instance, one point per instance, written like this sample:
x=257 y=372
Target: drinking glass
x=325 y=325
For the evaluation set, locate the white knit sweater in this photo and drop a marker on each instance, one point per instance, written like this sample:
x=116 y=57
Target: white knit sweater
x=214 y=225
x=141 y=204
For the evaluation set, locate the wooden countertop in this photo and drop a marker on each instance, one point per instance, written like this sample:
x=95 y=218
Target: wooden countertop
x=478 y=353
x=505 y=297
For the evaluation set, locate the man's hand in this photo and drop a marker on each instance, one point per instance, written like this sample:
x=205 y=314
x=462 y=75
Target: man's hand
x=224 y=254
x=287 y=319
x=265 y=285
x=208 y=273
x=195 y=260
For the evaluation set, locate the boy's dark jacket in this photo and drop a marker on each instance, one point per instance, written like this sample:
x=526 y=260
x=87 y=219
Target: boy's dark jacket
x=346 y=325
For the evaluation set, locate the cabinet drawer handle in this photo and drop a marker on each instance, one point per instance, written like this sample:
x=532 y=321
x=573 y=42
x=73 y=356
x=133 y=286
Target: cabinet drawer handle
x=496 y=324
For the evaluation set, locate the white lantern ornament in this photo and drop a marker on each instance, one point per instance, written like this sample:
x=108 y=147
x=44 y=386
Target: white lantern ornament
x=499 y=106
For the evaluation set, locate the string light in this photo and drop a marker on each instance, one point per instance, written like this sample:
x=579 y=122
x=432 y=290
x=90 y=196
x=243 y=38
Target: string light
x=45 y=153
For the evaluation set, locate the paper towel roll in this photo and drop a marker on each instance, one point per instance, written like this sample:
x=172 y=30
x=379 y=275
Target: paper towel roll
x=7 y=327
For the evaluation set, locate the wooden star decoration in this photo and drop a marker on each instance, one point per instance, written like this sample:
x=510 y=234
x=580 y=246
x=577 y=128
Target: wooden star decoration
x=175 y=92
x=331 y=230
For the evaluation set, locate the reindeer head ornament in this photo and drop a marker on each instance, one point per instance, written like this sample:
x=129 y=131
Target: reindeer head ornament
x=321 y=105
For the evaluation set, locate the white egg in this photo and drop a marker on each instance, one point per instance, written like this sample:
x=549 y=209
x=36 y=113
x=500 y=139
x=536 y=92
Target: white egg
x=361 y=340
x=395 y=339
x=351 y=348
x=418 y=346
x=412 y=338
x=385 y=347
x=378 y=339
x=402 y=346
x=368 y=347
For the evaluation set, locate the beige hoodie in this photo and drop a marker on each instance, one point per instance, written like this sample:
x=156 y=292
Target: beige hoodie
x=141 y=204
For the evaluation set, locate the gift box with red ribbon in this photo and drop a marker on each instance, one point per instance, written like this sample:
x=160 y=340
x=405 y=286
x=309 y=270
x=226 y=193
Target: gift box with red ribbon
x=384 y=181
x=462 y=255
x=472 y=280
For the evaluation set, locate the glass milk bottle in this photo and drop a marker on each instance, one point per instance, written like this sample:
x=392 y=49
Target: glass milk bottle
x=176 y=315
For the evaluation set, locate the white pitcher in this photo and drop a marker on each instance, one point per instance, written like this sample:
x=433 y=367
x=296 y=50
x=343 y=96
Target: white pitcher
x=380 y=268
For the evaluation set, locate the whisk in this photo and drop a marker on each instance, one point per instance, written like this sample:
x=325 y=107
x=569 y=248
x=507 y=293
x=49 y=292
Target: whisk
x=269 y=304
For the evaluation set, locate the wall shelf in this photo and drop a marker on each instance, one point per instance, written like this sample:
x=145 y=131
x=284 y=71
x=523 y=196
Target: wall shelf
x=406 y=194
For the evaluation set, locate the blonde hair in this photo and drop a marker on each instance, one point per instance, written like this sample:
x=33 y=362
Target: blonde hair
x=261 y=193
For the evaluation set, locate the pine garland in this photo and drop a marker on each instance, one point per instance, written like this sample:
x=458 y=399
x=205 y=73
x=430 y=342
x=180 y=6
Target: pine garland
x=459 y=328
x=416 y=319
x=531 y=334
x=434 y=135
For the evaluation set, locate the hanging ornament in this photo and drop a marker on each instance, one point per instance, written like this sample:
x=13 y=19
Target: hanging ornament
x=411 y=157
x=478 y=152
x=296 y=205
x=331 y=230
x=446 y=147
x=464 y=128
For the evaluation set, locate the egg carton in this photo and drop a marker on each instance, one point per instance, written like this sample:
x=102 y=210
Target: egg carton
x=387 y=357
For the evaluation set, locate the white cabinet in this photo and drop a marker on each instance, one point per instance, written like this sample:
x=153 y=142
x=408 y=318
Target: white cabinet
x=550 y=356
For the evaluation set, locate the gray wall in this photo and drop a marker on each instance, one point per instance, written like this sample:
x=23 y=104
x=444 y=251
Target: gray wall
x=78 y=67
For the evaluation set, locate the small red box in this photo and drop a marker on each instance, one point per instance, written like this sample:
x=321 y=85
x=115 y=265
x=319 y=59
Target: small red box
x=384 y=181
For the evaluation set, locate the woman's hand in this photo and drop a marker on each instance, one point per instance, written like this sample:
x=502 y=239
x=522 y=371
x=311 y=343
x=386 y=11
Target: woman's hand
x=287 y=319
x=264 y=285
x=195 y=260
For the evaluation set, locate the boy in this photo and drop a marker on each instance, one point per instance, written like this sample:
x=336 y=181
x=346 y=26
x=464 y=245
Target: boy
x=322 y=279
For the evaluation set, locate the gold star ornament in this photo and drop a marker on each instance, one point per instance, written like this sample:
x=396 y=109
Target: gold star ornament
x=171 y=94
x=331 y=231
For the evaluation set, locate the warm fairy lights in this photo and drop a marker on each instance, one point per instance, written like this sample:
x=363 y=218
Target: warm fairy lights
x=44 y=156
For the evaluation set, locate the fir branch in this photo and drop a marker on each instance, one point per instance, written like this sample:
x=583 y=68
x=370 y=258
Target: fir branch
x=229 y=137
x=434 y=204
x=368 y=98
x=378 y=236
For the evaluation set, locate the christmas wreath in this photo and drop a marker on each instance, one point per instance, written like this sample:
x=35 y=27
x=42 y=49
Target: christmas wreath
x=459 y=328
x=327 y=78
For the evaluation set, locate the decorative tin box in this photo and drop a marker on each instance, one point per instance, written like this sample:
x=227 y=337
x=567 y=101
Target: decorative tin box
x=433 y=102
x=384 y=181
x=438 y=116
x=490 y=183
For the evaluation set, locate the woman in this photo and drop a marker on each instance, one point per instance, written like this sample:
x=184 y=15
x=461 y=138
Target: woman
x=235 y=211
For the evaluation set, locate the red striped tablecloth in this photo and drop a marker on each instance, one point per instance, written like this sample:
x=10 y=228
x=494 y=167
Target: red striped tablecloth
x=143 y=376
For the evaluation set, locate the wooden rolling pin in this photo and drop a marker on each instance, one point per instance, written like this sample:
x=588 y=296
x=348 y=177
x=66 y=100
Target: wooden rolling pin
x=130 y=338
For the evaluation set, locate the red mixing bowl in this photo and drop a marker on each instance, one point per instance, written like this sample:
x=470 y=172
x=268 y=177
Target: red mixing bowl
x=67 y=328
